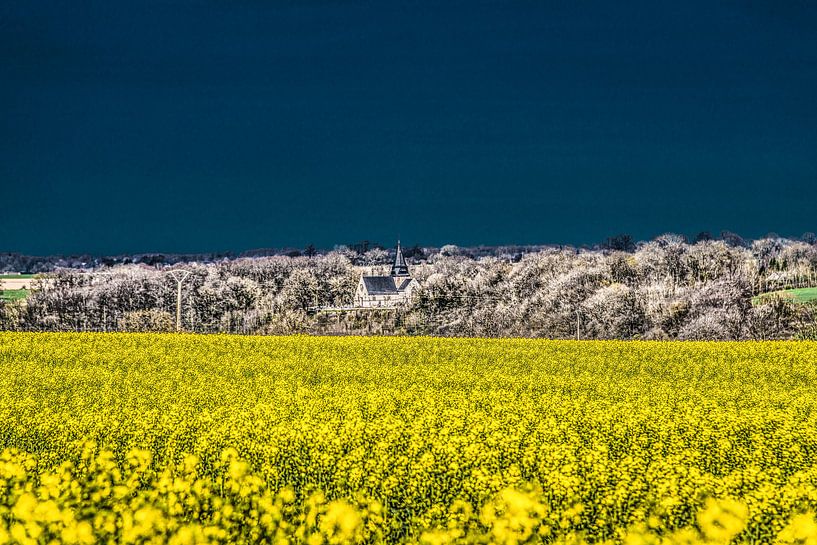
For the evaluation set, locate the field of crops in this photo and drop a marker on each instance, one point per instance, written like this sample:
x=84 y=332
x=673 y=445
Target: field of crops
x=126 y=438
x=14 y=287
x=13 y=295
x=799 y=295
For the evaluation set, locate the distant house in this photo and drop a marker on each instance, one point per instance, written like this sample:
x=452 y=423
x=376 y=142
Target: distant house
x=386 y=291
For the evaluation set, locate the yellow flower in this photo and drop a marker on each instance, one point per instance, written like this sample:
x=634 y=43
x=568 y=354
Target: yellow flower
x=722 y=520
x=24 y=507
x=801 y=530
x=340 y=522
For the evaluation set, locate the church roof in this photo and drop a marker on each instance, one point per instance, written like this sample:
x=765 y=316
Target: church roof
x=403 y=284
x=379 y=285
x=385 y=285
x=400 y=267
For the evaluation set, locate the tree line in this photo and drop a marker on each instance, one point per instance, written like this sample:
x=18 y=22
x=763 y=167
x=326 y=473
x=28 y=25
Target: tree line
x=667 y=288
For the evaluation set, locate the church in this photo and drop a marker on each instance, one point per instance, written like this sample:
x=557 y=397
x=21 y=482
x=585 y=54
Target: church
x=386 y=291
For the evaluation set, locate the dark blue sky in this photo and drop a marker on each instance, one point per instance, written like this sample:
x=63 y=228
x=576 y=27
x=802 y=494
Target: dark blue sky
x=197 y=126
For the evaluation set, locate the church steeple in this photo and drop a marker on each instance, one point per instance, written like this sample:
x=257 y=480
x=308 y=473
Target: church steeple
x=399 y=268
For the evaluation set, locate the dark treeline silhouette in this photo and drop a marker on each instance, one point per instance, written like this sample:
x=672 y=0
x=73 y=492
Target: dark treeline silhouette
x=666 y=288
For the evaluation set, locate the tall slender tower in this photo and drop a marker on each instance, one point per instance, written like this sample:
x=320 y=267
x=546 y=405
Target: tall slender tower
x=399 y=268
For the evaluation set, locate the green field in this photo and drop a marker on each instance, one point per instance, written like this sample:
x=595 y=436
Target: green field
x=166 y=438
x=16 y=294
x=799 y=295
x=13 y=295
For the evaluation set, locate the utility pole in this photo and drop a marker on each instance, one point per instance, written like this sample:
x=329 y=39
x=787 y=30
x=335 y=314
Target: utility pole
x=103 y=274
x=578 y=326
x=179 y=275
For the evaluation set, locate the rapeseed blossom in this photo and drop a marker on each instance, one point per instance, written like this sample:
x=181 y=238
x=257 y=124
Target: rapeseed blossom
x=189 y=440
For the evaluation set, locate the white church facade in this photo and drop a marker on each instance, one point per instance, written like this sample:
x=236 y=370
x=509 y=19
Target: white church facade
x=386 y=291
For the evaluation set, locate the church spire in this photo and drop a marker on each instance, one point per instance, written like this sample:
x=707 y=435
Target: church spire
x=399 y=268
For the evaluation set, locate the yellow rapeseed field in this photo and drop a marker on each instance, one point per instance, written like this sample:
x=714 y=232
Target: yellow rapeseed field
x=182 y=439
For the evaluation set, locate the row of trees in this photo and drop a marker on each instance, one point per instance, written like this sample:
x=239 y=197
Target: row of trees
x=662 y=289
